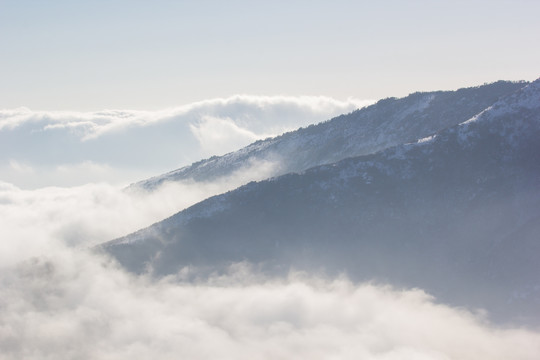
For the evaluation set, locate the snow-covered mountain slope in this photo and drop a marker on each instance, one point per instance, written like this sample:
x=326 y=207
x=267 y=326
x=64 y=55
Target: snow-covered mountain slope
x=387 y=123
x=456 y=214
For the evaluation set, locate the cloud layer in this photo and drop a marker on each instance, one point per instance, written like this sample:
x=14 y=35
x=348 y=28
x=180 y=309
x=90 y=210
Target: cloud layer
x=58 y=300
x=40 y=148
x=75 y=306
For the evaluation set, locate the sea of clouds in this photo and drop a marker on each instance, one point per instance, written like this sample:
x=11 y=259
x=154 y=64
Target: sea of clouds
x=67 y=148
x=59 y=299
x=74 y=306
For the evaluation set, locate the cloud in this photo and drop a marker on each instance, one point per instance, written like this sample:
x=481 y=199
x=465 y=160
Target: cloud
x=64 y=175
x=94 y=213
x=250 y=111
x=136 y=143
x=59 y=300
x=20 y=168
x=73 y=305
x=217 y=135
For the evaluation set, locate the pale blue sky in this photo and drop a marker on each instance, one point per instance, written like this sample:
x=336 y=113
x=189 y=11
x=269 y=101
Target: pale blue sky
x=92 y=55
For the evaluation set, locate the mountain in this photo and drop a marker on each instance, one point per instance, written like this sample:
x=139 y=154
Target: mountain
x=387 y=123
x=456 y=213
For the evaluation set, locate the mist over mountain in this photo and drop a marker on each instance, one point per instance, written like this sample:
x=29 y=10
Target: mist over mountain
x=455 y=213
x=387 y=123
x=66 y=148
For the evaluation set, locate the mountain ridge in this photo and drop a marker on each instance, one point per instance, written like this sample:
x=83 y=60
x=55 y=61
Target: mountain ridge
x=389 y=122
x=441 y=213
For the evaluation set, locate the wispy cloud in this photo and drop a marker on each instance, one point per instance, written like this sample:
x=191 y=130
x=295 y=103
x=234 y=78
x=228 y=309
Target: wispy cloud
x=94 y=213
x=19 y=167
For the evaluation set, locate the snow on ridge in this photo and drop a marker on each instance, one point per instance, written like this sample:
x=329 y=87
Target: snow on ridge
x=427 y=139
x=294 y=141
x=224 y=160
x=357 y=140
x=419 y=106
x=138 y=236
x=527 y=98
x=366 y=168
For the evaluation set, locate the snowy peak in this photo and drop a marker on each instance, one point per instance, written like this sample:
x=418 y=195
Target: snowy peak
x=511 y=116
x=526 y=98
x=387 y=123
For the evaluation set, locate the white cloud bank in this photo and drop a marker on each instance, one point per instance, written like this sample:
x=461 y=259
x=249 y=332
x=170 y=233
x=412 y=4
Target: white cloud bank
x=125 y=145
x=252 y=112
x=73 y=306
x=59 y=301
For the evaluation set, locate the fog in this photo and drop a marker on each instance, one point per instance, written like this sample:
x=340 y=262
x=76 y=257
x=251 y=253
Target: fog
x=60 y=300
x=69 y=305
x=87 y=215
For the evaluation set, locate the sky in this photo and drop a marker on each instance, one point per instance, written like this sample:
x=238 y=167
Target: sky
x=141 y=55
x=119 y=91
x=97 y=94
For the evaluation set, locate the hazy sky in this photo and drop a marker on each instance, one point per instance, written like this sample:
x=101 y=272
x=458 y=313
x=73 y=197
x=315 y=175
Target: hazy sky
x=94 y=55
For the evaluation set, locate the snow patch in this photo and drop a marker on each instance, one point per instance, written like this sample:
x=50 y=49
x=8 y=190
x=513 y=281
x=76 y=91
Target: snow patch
x=427 y=139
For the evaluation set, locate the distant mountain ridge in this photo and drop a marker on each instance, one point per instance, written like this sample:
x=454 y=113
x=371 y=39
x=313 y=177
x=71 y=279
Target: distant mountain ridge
x=456 y=213
x=387 y=123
